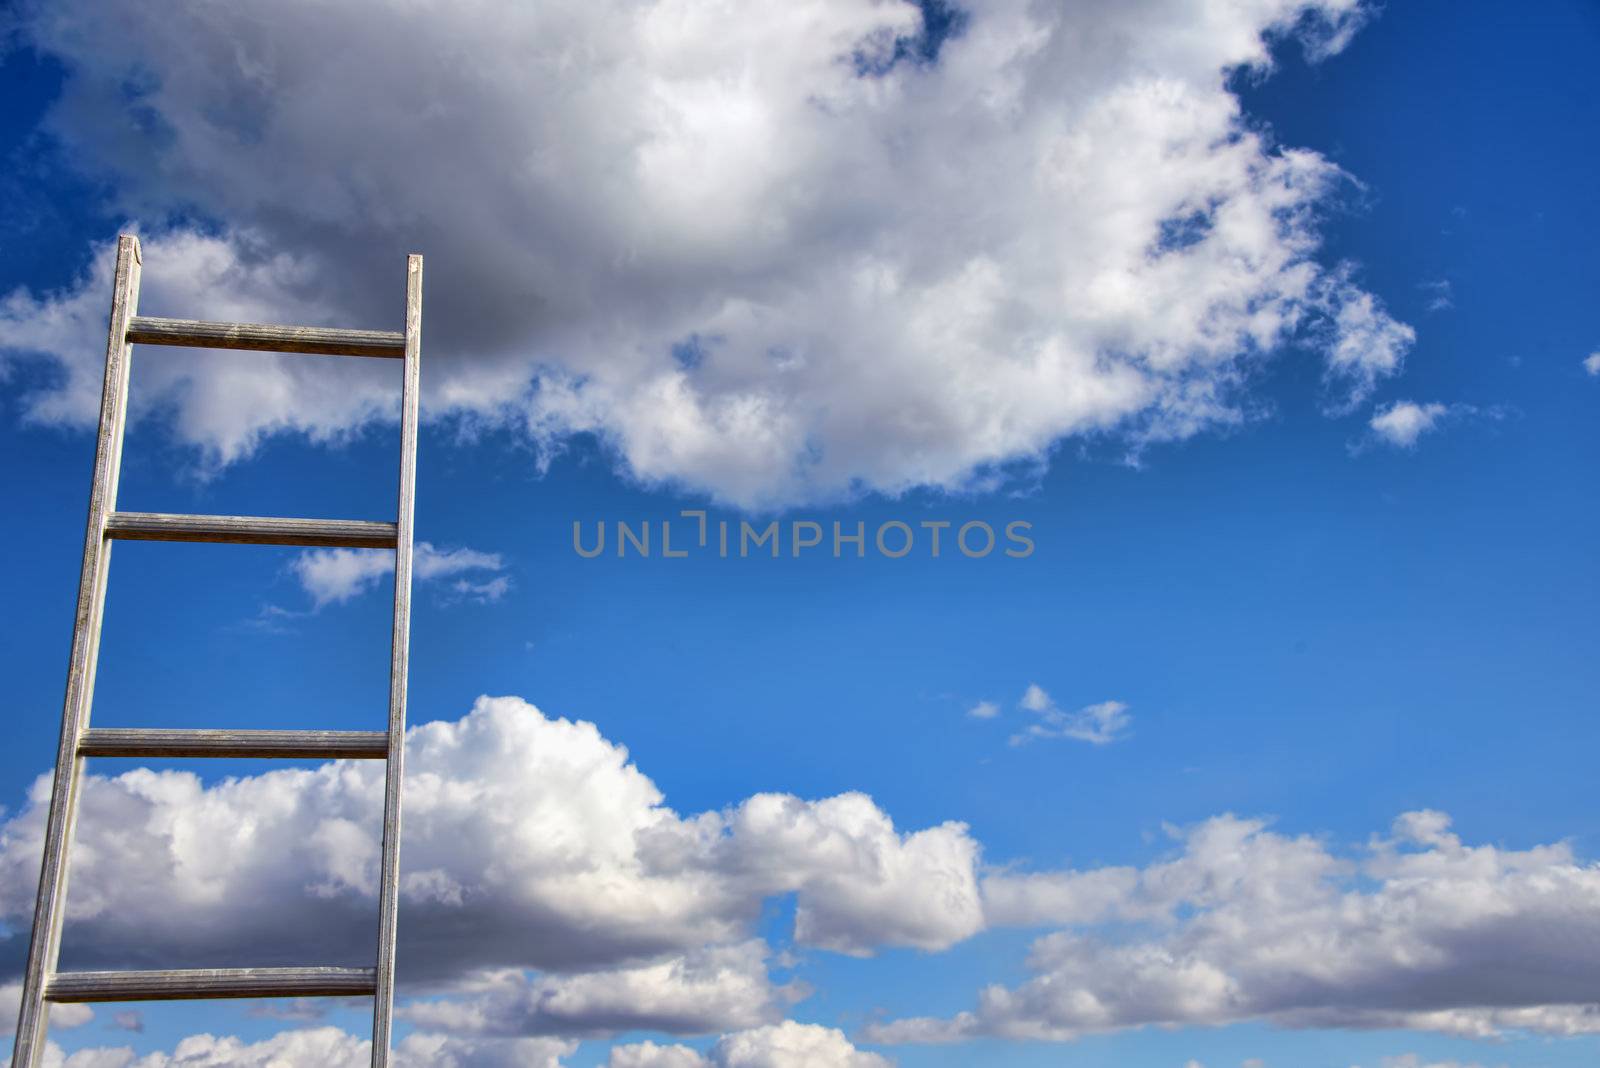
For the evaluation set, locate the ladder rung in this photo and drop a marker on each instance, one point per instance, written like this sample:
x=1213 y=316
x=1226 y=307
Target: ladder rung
x=190 y=984
x=251 y=530
x=313 y=340
x=145 y=742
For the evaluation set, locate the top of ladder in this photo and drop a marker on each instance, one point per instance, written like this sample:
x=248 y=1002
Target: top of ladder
x=312 y=340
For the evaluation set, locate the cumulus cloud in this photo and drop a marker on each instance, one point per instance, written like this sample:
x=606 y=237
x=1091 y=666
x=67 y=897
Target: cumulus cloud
x=784 y=1045
x=321 y=1047
x=1403 y=422
x=708 y=990
x=551 y=894
x=984 y=710
x=332 y=576
x=1591 y=363
x=531 y=843
x=861 y=884
x=1420 y=931
x=780 y=257
x=650 y=1055
x=1097 y=724
x=791 y=1045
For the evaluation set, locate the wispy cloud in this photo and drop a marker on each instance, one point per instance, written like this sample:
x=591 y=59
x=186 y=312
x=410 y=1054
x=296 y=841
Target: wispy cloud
x=1097 y=724
x=274 y=619
x=481 y=592
x=332 y=576
x=1412 y=1060
x=1438 y=293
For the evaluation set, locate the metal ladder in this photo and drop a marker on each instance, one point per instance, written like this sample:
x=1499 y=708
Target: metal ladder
x=43 y=984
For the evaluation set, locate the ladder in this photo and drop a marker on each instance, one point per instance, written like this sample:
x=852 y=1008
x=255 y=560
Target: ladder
x=43 y=984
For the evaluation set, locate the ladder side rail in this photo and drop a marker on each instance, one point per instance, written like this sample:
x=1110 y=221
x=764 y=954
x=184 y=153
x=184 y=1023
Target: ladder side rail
x=45 y=945
x=389 y=880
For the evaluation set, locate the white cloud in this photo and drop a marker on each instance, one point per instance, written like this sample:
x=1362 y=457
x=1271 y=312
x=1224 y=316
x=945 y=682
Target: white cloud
x=449 y=1051
x=861 y=883
x=784 y=1045
x=1012 y=899
x=224 y=402
x=649 y=1055
x=1439 y=293
x=1098 y=724
x=591 y=870
x=431 y=563
x=1420 y=932
x=912 y=276
x=533 y=845
x=1412 y=1060
x=486 y=592
x=332 y=576
x=791 y=1045
x=322 y=1047
x=100 y=1057
x=1369 y=344
x=1591 y=363
x=1403 y=422
x=710 y=989
x=984 y=710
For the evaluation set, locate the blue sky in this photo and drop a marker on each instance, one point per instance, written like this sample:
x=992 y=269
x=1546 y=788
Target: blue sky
x=1312 y=623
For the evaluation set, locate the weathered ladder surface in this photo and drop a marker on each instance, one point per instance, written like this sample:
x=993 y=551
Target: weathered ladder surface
x=43 y=984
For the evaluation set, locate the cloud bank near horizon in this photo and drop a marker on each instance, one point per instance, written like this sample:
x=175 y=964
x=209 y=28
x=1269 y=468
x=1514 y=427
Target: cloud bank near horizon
x=552 y=894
